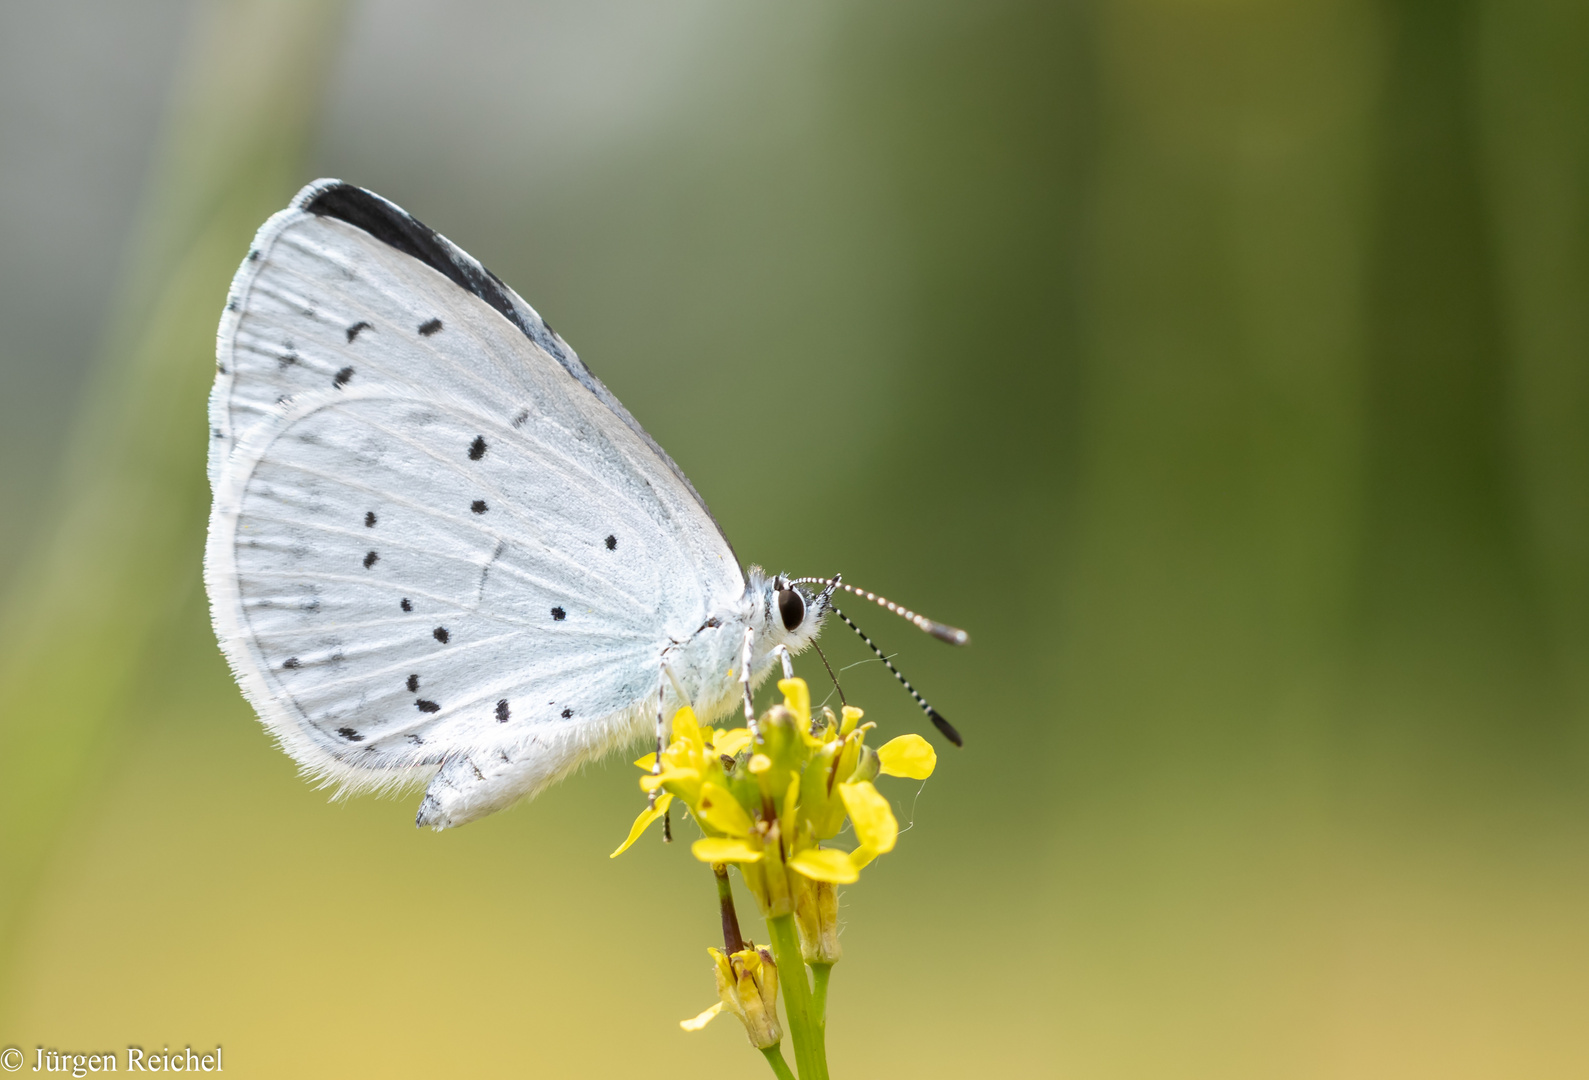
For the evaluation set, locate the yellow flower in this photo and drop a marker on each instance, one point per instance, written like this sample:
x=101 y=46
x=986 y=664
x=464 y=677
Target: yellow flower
x=747 y=983
x=769 y=811
x=689 y=763
x=766 y=804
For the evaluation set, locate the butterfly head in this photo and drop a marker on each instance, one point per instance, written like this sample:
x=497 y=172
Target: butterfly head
x=791 y=614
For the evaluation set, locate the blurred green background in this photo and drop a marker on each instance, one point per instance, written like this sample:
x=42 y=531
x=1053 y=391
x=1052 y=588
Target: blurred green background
x=1221 y=365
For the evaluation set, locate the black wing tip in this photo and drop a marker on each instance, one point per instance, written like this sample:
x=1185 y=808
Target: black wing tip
x=360 y=207
x=397 y=228
x=328 y=197
x=945 y=727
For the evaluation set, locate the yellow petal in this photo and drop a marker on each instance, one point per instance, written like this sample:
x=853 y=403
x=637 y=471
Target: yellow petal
x=647 y=816
x=685 y=727
x=909 y=755
x=852 y=716
x=791 y=800
x=697 y=1022
x=732 y=742
x=861 y=856
x=722 y=811
x=797 y=699
x=875 y=825
x=825 y=864
x=656 y=780
x=647 y=761
x=715 y=849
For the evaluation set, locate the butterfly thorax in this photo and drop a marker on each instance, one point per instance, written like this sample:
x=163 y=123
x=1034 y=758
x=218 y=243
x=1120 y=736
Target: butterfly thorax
x=708 y=664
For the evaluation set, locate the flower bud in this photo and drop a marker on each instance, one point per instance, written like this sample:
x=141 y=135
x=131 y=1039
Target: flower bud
x=747 y=981
x=768 y=878
x=817 y=918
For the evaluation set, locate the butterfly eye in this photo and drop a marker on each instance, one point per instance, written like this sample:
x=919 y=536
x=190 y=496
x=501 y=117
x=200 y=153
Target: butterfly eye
x=791 y=607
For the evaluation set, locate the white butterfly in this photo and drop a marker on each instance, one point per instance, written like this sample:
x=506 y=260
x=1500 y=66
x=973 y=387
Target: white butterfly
x=440 y=549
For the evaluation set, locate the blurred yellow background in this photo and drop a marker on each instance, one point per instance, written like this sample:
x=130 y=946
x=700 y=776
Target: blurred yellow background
x=1221 y=365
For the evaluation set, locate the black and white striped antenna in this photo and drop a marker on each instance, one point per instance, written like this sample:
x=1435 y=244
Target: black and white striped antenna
x=941 y=631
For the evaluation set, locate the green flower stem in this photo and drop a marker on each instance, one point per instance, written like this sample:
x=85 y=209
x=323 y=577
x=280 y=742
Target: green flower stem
x=774 y=1056
x=819 y=996
x=805 y=1026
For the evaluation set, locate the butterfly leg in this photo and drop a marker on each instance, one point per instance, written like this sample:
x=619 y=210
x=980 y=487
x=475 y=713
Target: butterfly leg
x=662 y=723
x=788 y=665
x=678 y=687
x=744 y=680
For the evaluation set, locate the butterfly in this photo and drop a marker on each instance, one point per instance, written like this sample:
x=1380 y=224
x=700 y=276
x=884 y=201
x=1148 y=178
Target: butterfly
x=440 y=550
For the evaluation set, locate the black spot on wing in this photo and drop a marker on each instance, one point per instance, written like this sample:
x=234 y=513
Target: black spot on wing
x=369 y=519
x=477 y=449
x=429 y=327
x=502 y=711
x=371 y=559
x=349 y=734
x=479 y=506
x=559 y=614
x=286 y=360
x=440 y=634
x=567 y=713
x=406 y=605
x=253 y=256
x=612 y=543
x=342 y=378
x=426 y=706
x=290 y=663
x=518 y=421
x=353 y=331
x=412 y=684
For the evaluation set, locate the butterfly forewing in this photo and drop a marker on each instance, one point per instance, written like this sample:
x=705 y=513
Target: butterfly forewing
x=430 y=536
